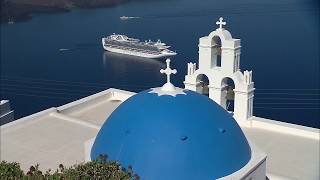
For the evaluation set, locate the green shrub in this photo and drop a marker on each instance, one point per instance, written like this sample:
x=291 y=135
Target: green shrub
x=97 y=169
x=10 y=170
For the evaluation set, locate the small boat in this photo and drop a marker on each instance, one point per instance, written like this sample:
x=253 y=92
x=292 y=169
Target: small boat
x=64 y=49
x=128 y=17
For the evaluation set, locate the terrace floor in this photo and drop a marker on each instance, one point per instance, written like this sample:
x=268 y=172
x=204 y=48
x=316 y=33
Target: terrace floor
x=57 y=135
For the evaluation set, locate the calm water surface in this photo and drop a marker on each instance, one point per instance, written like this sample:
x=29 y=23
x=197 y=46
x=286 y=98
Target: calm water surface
x=280 y=43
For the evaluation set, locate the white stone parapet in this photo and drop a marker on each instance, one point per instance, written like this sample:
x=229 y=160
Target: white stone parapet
x=191 y=68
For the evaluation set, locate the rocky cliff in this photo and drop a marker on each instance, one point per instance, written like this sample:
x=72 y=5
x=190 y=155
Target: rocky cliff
x=17 y=10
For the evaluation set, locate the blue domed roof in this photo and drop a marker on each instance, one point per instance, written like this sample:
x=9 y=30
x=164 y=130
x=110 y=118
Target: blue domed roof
x=164 y=137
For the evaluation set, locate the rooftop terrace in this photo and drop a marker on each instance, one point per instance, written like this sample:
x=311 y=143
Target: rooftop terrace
x=57 y=135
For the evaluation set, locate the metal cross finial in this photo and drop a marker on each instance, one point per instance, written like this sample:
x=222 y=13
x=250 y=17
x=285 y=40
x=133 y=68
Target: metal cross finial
x=168 y=71
x=168 y=88
x=221 y=23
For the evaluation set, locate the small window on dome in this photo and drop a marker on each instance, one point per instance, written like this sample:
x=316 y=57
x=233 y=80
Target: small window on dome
x=127 y=132
x=184 y=138
x=222 y=130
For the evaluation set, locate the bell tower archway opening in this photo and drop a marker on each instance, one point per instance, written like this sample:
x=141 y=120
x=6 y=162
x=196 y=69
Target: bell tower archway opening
x=216 y=52
x=202 y=84
x=228 y=97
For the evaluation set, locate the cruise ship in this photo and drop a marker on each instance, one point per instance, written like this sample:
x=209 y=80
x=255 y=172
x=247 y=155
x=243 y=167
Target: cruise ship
x=124 y=45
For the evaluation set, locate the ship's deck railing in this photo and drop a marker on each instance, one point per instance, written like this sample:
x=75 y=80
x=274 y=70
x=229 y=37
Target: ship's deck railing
x=132 y=45
x=134 y=49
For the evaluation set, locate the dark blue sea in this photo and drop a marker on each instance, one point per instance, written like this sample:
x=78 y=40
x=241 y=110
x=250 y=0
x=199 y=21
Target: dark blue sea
x=280 y=43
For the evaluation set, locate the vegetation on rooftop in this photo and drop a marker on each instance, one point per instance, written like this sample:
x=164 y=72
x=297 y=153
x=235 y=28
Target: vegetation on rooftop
x=97 y=169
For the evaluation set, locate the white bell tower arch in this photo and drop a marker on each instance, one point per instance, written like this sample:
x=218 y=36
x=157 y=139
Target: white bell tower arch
x=219 y=61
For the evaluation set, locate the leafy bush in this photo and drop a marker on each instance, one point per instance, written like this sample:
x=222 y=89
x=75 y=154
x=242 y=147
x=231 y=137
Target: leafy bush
x=97 y=169
x=10 y=170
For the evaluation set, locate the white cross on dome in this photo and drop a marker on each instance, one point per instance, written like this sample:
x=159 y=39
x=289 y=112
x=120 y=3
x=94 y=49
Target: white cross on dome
x=168 y=71
x=168 y=88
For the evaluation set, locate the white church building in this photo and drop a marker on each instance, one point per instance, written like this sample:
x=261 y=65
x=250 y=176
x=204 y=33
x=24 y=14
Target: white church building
x=184 y=135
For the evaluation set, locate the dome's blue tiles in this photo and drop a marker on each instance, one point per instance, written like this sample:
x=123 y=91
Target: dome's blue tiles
x=164 y=137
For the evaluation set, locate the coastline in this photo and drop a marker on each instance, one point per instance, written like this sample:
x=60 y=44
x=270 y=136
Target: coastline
x=16 y=11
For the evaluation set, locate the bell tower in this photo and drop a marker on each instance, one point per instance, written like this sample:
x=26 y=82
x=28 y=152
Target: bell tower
x=219 y=61
x=219 y=50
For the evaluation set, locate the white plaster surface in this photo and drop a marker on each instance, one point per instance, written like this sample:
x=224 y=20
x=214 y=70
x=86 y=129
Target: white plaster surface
x=254 y=169
x=292 y=150
x=47 y=141
x=289 y=156
x=219 y=44
x=59 y=135
x=160 y=92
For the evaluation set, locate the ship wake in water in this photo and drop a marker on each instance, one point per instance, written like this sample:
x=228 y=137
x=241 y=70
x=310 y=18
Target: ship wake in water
x=129 y=17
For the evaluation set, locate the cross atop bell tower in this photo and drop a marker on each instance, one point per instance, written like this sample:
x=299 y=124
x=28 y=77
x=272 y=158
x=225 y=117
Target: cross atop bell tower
x=221 y=23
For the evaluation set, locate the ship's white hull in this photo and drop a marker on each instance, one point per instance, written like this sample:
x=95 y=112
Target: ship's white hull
x=135 y=53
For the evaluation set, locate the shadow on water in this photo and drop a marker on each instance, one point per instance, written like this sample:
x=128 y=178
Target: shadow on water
x=115 y=58
x=131 y=72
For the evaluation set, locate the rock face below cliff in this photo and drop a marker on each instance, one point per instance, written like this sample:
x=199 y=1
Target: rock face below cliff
x=17 y=10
